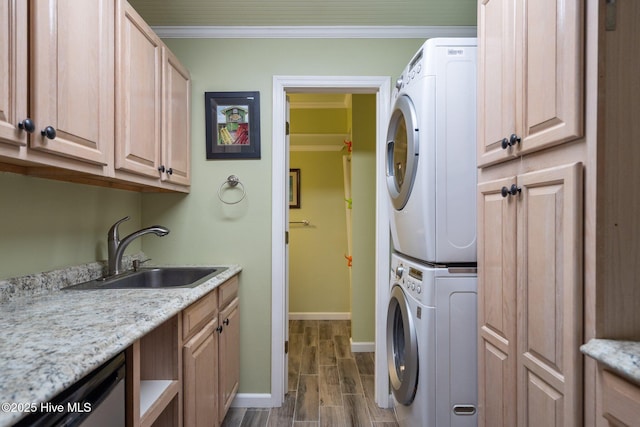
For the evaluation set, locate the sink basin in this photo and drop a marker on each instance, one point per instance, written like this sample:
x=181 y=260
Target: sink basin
x=154 y=278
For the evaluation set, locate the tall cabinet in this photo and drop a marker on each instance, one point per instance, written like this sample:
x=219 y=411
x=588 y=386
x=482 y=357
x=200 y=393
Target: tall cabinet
x=530 y=212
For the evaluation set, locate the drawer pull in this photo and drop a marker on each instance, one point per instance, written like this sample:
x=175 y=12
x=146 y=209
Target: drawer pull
x=464 y=409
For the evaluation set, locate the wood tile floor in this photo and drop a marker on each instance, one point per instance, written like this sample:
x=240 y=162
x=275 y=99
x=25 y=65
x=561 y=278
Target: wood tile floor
x=328 y=385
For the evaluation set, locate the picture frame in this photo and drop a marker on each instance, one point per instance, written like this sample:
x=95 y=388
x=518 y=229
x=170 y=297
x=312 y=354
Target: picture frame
x=232 y=125
x=294 y=188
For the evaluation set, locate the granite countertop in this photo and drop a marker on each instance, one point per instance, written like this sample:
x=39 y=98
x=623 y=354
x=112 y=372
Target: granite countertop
x=50 y=340
x=621 y=357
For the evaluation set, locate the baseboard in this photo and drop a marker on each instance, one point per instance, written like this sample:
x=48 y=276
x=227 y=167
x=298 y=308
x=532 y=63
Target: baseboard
x=319 y=316
x=252 y=400
x=362 y=347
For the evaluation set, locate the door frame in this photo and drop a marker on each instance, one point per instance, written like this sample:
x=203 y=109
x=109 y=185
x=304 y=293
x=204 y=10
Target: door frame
x=381 y=86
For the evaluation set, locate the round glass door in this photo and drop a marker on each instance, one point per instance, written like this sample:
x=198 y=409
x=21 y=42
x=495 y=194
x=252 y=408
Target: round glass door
x=402 y=151
x=402 y=348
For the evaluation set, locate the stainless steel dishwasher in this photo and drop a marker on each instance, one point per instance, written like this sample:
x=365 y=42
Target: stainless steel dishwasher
x=97 y=400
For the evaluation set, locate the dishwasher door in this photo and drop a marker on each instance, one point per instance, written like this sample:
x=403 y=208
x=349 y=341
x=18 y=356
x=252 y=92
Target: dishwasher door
x=97 y=400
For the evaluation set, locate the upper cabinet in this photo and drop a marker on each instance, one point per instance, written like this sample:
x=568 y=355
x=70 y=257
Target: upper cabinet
x=153 y=96
x=89 y=93
x=13 y=71
x=72 y=78
x=530 y=93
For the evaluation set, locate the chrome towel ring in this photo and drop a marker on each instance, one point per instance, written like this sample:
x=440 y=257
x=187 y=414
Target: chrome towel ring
x=232 y=181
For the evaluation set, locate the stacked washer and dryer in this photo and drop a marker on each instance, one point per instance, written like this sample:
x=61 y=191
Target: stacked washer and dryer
x=431 y=178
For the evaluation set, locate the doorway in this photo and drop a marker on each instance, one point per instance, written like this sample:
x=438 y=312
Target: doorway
x=380 y=86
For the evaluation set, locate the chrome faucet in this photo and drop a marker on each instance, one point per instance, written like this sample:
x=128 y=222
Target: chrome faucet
x=116 y=246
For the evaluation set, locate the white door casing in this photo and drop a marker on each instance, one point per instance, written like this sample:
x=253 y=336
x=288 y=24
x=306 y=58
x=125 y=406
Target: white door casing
x=381 y=86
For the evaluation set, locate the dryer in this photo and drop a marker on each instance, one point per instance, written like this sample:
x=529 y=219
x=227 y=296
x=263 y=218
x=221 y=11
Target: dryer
x=431 y=344
x=431 y=154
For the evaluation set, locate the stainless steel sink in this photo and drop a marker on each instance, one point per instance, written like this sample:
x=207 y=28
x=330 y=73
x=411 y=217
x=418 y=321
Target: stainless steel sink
x=154 y=278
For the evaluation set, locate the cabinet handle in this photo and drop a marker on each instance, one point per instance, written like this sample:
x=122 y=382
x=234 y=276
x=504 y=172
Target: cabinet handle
x=513 y=140
x=49 y=132
x=505 y=192
x=226 y=322
x=27 y=125
x=161 y=169
x=170 y=171
x=219 y=329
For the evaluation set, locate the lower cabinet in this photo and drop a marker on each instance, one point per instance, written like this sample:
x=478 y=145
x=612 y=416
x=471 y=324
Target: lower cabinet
x=211 y=355
x=530 y=298
x=620 y=400
x=200 y=376
x=186 y=372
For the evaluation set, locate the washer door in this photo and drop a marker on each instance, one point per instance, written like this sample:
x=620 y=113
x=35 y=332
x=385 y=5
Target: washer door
x=402 y=151
x=402 y=348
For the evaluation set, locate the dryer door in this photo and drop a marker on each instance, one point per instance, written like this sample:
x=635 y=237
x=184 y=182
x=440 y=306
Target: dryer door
x=402 y=347
x=402 y=151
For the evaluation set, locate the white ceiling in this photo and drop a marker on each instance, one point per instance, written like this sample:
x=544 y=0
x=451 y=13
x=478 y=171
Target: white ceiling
x=307 y=12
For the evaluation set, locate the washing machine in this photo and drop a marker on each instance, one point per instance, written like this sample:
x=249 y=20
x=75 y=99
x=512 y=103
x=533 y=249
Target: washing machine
x=431 y=344
x=431 y=153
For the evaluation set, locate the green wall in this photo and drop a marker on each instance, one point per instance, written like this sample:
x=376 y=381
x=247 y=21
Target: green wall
x=45 y=225
x=318 y=272
x=363 y=188
x=206 y=231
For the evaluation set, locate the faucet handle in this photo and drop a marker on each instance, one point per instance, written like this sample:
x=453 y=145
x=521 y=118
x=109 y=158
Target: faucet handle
x=137 y=263
x=113 y=231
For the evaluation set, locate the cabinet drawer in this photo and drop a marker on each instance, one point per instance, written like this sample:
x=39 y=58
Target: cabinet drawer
x=620 y=400
x=228 y=291
x=194 y=316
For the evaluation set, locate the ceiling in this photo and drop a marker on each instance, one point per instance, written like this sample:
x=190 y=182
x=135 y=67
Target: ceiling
x=307 y=12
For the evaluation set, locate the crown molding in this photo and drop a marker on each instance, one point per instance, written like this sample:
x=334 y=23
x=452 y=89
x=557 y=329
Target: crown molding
x=311 y=32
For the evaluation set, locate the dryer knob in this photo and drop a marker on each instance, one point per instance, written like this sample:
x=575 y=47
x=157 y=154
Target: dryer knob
x=399 y=83
x=419 y=289
x=399 y=271
x=413 y=286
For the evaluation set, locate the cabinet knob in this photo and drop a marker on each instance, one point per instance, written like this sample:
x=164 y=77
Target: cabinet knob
x=511 y=141
x=219 y=329
x=512 y=191
x=170 y=171
x=27 y=125
x=49 y=132
x=161 y=169
x=226 y=322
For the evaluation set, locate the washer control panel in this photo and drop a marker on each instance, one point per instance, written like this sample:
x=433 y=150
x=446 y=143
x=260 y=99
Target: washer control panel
x=408 y=277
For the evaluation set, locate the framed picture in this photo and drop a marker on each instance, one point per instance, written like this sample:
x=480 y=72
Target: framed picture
x=233 y=125
x=294 y=188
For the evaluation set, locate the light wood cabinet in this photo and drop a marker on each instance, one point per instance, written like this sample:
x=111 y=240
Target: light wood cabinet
x=153 y=98
x=229 y=363
x=90 y=94
x=211 y=354
x=138 y=95
x=176 y=120
x=154 y=377
x=201 y=377
x=72 y=78
x=620 y=401
x=13 y=74
x=530 y=74
x=530 y=293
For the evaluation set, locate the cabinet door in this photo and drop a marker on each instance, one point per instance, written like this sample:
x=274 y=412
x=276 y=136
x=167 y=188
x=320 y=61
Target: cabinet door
x=550 y=297
x=497 y=304
x=549 y=72
x=72 y=77
x=496 y=79
x=229 y=355
x=176 y=106
x=138 y=133
x=200 y=360
x=13 y=70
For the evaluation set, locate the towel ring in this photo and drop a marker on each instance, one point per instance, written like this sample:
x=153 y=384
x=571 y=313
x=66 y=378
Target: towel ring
x=232 y=181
